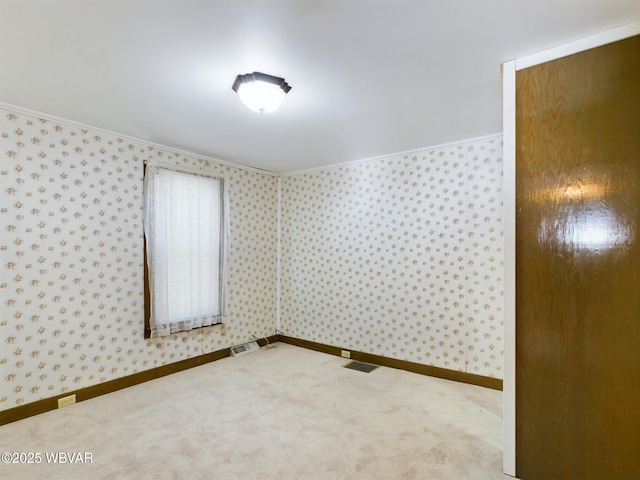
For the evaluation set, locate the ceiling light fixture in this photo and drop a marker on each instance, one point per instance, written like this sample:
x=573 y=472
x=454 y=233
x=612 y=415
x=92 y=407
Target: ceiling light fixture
x=260 y=92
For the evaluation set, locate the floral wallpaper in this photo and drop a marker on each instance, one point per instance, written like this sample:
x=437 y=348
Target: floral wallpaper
x=71 y=257
x=400 y=257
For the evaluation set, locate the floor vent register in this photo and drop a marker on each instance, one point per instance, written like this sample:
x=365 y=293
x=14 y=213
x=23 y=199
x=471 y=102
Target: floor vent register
x=361 y=366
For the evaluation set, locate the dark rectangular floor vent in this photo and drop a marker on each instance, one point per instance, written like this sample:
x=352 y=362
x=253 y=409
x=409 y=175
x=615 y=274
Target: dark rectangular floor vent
x=361 y=367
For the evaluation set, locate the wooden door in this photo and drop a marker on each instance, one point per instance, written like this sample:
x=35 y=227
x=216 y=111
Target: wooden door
x=578 y=266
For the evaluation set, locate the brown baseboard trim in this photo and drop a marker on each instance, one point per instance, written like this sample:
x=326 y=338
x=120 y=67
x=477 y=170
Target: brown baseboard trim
x=480 y=380
x=47 y=404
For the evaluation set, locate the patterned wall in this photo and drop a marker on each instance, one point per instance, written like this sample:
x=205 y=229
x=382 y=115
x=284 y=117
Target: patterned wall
x=400 y=257
x=71 y=257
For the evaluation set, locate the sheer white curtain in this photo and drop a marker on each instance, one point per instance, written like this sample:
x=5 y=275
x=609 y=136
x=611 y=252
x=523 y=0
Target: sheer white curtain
x=187 y=236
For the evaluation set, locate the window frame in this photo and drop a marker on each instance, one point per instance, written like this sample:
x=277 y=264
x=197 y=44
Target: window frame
x=223 y=253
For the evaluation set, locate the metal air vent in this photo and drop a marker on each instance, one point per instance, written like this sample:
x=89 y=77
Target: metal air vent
x=360 y=366
x=244 y=348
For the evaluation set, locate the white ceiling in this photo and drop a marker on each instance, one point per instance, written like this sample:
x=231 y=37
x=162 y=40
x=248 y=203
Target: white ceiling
x=368 y=77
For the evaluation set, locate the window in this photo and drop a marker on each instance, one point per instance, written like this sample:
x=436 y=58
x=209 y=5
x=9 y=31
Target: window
x=186 y=241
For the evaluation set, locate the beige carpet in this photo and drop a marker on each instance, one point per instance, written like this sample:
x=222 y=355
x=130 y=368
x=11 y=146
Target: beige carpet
x=283 y=413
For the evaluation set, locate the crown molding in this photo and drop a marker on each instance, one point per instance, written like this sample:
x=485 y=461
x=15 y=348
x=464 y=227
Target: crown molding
x=130 y=138
x=393 y=155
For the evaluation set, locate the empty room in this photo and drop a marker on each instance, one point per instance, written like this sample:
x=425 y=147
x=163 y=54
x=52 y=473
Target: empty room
x=307 y=239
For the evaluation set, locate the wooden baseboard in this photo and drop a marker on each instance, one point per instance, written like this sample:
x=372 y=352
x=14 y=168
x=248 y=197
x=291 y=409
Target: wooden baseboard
x=482 y=381
x=46 y=404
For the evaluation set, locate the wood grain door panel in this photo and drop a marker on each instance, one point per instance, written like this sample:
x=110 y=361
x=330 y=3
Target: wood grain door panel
x=578 y=265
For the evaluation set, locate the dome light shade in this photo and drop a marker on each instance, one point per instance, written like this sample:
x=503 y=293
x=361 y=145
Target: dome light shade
x=260 y=92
